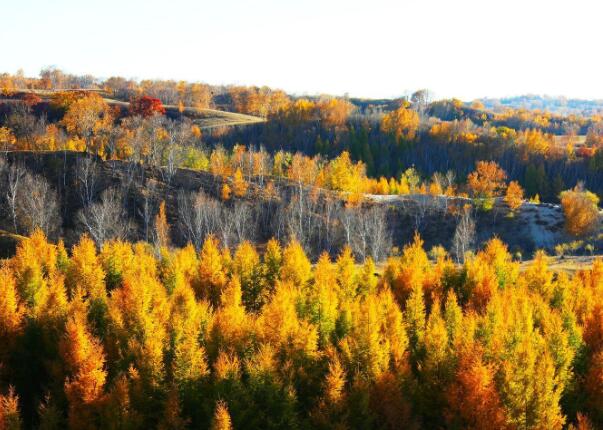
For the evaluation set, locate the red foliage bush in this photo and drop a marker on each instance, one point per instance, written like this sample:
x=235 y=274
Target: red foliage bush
x=146 y=106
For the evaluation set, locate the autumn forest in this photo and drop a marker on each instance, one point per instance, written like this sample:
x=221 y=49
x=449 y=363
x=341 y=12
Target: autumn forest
x=180 y=255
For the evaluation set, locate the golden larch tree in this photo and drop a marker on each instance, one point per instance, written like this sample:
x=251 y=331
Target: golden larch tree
x=162 y=228
x=221 y=419
x=85 y=364
x=514 y=196
x=239 y=184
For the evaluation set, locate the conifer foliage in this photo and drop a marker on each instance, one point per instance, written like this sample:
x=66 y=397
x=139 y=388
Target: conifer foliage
x=139 y=336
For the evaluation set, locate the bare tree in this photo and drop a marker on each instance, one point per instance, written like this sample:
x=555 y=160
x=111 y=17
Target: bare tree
x=4 y=204
x=173 y=161
x=148 y=208
x=304 y=218
x=3 y=169
x=87 y=176
x=417 y=206
x=348 y=220
x=198 y=216
x=450 y=178
x=14 y=177
x=366 y=231
x=380 y=239
x=464 y=236
x=328 y=232
x=106 y=219
x=243 y=225
x=37 y=206
x=278 y=225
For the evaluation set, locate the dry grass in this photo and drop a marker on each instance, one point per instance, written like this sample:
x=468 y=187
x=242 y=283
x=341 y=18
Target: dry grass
x=561 y=141
x=567 y=264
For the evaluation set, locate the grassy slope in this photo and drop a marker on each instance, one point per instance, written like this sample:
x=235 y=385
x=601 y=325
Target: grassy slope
x=8 y=243
x=204 y=118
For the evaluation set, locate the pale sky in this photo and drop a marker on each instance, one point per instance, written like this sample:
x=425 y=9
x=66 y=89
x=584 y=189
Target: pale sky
x=376 y=48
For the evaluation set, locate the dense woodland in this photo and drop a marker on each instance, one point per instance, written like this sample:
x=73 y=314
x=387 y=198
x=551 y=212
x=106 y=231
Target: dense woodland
x=136 y=336
x=169 y=274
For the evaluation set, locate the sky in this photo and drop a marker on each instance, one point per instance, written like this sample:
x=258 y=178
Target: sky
x=378 y=48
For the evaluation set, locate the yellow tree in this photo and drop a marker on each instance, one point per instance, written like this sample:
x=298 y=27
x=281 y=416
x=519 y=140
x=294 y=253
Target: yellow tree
x=84 y=360
x=231 y=322
x=273 y=258
x=7 y=85
x=189 y=321
x=487 y=180
x=239 y=184
x=331 y=407
x=535 y=141
x=138 y=313
x=85 y=270
x=225 y=192
x=415 y=317
x=221 y=419
x=52 y=306
x=219 y=163
x=533 y=362
x=279 y=324
x=162 y=228
x=581 y=211
x=35 y=260
x=346 y=274
x=514 y=196
x=435 y=364
x=11 y=310
x=403 y=123
x=212 y=276
x=246 y=266
x=295 y=264
x=481 y=284
x=409 y=271
x=7 y=139
x=344 y=175
x=334 y=112
x=335 y=382
x=88 y=117
x=538 y=277
x=368 y=279
x=9 y=411
x=531 y=390
x=365 y=347
x=322 y=299
x=474 y=402
x=12 y=313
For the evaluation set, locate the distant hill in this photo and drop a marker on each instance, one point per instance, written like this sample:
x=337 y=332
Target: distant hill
x=559 y=105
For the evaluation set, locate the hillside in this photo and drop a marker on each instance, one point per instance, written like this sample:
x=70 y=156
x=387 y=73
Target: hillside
x=534 y=226
x=205 y=118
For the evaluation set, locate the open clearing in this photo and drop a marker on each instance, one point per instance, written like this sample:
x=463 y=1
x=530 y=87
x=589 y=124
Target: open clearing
x=567 y=264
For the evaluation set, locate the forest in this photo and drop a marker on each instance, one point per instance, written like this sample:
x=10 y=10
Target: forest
x=320 y=262
x=137 y=336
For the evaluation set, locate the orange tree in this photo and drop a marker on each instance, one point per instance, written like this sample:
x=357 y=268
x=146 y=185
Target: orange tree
x=581 y=211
